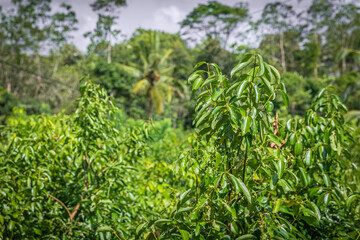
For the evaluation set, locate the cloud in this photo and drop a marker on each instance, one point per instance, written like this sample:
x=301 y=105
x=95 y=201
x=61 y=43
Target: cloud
x=168 y=18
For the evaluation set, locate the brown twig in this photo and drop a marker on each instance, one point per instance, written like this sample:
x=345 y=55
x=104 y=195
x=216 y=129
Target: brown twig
x=72 y=214
x=62 y=204
x=276 y=132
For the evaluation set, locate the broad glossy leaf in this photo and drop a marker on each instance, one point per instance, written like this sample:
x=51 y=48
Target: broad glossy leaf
x=198 y=65
x=277 y=205
x=298 y=149
x=246 y=236
x=195 y=75
x=285 y=98
x=316 y=210
x=241 y=88
x=303 y=177
x=268 y=88
x=217 y=92
x=239 y=67
x=275 y=72
x=197 y=83
x=185 y=234
x=261 y=65
x=240 y=186
x=308 y=158
x=246 y=125
x=326 y=180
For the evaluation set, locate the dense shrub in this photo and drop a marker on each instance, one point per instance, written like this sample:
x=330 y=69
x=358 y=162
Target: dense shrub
x=257 y=177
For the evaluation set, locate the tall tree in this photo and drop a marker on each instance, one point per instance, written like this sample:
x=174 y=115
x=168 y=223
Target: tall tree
x=318 y=15
x=30 y=28
x=277 y=18
x=343 y=38
x=214 y=20
x=107 y=18
x=155 y=70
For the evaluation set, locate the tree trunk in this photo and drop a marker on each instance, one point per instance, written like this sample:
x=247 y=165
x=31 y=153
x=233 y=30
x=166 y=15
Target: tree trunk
x=109 y=53
x=283 y=63
x=38 y=78
x=7 y=80
x=150 y=108
x=316 y=55
x=343 y=65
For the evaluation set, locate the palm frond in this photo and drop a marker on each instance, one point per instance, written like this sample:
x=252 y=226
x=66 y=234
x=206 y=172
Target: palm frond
x=130 y=70
x=158 y=99
x=141 y=87
x=352 y=115
x=165 y=57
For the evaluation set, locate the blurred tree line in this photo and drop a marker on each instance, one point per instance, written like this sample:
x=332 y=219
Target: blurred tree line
x=40 y=69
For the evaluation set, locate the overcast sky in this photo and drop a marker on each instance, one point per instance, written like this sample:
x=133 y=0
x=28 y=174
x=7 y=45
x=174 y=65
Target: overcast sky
x=149 y=14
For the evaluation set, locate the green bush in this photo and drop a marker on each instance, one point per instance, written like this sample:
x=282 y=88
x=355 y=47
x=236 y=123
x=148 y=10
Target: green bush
x=257 y=177
x=244 y=174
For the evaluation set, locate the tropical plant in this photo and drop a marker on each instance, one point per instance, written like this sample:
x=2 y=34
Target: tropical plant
x=255 y=176
x=154 y=72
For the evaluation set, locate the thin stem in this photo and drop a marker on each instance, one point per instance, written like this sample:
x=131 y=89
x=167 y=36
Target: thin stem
x=246 y=153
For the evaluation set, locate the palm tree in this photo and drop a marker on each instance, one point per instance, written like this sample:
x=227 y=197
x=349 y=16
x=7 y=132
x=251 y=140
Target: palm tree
x=153 y=71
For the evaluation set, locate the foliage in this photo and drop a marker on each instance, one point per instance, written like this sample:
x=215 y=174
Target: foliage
x=78 y=175
x=216 y=20
x=154 y=71
x=234 y=156
x=256 y=177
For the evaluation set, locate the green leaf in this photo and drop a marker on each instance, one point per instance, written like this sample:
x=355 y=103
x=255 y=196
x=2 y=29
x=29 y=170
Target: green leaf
x=231 y=210
x=308 y=158
x=326 y=180
x=233 y=115
x=321 y=93
x=274 y=179
x=257 y=96
x=246 y=236
x=202 y=118
x=239 y=67
x=185 y=234
x=268 y=88
x=275 y=72
x=298 y=149
x=281 y=166
x=239 y=185
x=303 y=177
x=317 y=211
x=269 y=106
x=140 y=228
x=241 y=89
x=232 y=87
x=217 y=92
x=275 y=139
x=285 y=185
x=246 y=125
x=197 y=83
x=186 y=209
x=285 y=98
x=184 y=194
x=198 y=65
x=160 y=221
x=350 y=200
x=195 y=75
x=210 y=80
x=104 y=229
x=277 y=206
x=11 y=225
x=216 y=67
x=261 y=65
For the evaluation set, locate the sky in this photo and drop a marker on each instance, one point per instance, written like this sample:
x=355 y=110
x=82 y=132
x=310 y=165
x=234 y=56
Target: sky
x=162 y=15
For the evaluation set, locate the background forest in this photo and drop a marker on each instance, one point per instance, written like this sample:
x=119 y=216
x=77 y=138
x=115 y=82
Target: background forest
x=105 y=144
